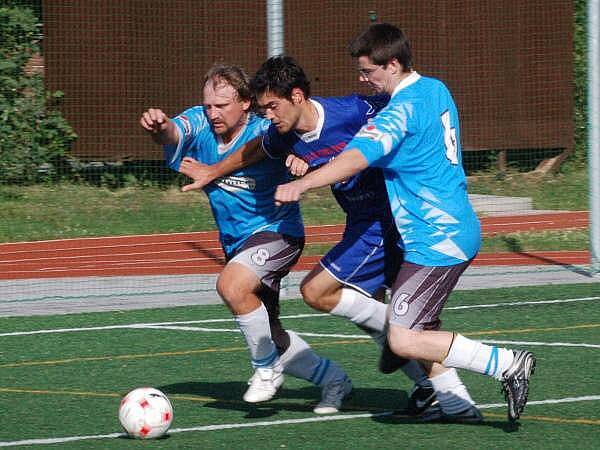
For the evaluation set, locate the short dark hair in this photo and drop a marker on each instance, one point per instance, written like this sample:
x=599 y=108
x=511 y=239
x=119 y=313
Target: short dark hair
x=382 y=42
x=232 y=75
x=280 y=75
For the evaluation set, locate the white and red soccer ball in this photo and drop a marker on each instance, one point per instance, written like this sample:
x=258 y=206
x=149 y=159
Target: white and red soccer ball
x=145 y=413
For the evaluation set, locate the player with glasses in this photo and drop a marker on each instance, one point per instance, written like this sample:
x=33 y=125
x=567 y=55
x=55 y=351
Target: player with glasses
x=366 y=72
x=415 y=140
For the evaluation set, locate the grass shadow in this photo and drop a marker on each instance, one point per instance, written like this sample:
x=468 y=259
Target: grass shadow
x=228 y=395
x=399 y=417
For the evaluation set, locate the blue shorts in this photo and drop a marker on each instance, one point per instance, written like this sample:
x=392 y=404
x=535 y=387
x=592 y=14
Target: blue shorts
x=367 y=257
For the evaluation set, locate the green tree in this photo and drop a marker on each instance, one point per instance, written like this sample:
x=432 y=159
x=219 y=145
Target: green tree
x=34 y=137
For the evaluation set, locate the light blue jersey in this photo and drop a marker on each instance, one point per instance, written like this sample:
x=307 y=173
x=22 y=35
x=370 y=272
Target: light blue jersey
x=242 y=202
x=416 y=140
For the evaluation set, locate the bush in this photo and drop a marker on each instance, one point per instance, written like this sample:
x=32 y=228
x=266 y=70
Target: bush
x=34 y=137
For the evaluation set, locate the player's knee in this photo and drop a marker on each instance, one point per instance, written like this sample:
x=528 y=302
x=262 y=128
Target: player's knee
x=307 y=291
x=221 y=287
x=230 y=292
x=311 y=294
x=401 y=342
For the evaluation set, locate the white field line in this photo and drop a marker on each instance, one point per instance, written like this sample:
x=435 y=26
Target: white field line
x=269 y=423
x=550 y=401
x=142 y=325
x=180 y=328
x=346 y=336
x=297 y=316
x=236 y=330
x=538 y=302
x=544 y=344
x=364 y=336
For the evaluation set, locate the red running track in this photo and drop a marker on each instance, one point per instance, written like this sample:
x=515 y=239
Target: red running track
x=191 y=253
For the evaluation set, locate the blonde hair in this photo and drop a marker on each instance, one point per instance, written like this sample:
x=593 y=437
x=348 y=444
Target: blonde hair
x=235 y=76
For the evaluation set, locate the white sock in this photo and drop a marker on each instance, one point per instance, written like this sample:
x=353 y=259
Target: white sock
x=473 y=355
x=451 y=392
x=299 y=360
x=365 y=312
x=255 y=328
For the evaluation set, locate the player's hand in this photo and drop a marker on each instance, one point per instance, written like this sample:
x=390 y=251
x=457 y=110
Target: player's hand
x=202 y=174
x=289 y=192
x=154 y=121
x=297 y=166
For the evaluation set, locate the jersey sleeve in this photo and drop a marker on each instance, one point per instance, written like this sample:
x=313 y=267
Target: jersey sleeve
x=382 y=136
x=272 y=143
x=191 y=125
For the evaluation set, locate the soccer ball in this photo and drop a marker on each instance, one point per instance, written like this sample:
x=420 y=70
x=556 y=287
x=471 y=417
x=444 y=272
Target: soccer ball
x=145 y=413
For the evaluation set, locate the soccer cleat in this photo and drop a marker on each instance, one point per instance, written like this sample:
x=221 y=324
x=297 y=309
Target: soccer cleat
x=420 y=398
x=435 y=414
x=332 y=395
x=251 y=379
x=515 y=382
x=389 y=362
x=263 y=385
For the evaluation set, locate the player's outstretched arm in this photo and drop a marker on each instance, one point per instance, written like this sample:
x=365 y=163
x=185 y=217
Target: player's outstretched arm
x=349 y=163
x=162 y=130
x=203 y=174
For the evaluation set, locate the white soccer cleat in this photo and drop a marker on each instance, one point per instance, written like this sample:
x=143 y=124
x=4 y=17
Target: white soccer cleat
x=263 y=385
x=333 y=394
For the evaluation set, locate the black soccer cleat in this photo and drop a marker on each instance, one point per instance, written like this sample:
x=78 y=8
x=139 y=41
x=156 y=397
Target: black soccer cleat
x=420 y=399
x=515 y=383
x=470 y=415
x=389 y=362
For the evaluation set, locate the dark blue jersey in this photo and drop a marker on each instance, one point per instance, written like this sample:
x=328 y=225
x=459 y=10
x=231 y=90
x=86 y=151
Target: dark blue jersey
x=340 y=118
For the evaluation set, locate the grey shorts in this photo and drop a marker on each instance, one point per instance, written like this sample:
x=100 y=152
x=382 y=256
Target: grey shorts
x=270 y=256
x=419 y=293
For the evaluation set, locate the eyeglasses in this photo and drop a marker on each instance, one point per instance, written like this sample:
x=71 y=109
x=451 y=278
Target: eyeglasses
x=367 y=72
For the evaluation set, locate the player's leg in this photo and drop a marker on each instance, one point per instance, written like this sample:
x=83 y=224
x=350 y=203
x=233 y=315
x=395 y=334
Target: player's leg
x=422 y=397
x=269 y=296
x=323 y=292
x=298 y=359
x=350 y=282
x=237 y=286
x=301 y=361
x=240 y=285
x=419 y=294
x=348 y=277
x=417 y=300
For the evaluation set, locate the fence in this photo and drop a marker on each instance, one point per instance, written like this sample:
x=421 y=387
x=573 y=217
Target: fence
x=509 y=66
x=114 y=59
